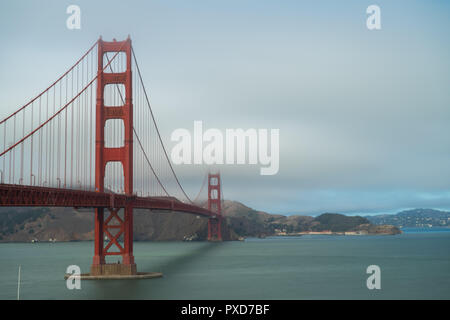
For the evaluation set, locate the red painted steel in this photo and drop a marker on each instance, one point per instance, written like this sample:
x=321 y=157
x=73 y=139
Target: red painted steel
x=214 y=205
x=34 y=196
x=124 y=155
x=113 y=226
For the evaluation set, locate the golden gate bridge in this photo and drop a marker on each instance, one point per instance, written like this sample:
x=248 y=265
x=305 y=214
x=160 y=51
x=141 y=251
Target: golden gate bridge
x=91 y=140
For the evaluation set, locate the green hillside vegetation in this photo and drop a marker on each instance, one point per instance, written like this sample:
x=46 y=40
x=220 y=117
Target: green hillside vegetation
x=338 y=222
x=68 y=224
x=12 y=219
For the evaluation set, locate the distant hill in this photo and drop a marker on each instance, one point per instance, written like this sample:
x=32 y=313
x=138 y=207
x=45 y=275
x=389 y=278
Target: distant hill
x=247 y=222
x=67 y=224
x=416 y=218
x=338 y=222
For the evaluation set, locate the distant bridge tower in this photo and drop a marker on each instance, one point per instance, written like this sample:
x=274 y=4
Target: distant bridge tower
x=214 y=205
x=124 y=155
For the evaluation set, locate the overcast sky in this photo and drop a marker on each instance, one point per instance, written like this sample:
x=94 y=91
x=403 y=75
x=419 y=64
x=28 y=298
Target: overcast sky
x=364 y=116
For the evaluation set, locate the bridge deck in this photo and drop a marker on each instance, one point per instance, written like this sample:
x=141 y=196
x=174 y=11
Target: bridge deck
x=13 y=195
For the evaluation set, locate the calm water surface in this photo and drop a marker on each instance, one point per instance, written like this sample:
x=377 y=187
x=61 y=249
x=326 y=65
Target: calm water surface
x=414 y=265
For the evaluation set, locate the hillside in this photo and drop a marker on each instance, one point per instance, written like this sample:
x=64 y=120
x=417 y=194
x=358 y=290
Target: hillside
x=338 y=223
x=248 y=222
x=67 y=224
x=414 y=218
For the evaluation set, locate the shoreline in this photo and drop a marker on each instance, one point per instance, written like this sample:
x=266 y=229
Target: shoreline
x=299 y=234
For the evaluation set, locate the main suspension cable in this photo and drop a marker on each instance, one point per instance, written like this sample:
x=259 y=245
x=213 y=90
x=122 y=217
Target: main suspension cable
x=156 y=127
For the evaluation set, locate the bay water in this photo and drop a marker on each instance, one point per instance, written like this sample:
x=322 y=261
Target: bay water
x=414 y=265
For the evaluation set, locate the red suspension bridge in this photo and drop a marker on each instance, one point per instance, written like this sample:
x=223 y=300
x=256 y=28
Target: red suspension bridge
x=91 y=140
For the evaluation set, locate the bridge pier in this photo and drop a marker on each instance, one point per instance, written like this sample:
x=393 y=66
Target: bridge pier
x=215 y=229
x=104 y=228
x=114 y=226
x=215 y=205
x=99 y=258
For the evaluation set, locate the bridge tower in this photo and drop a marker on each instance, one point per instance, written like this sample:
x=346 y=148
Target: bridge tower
x=214 y=205
x=124 y=155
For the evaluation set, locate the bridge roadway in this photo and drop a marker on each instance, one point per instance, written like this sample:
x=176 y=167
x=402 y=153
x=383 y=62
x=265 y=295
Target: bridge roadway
x=13 y=195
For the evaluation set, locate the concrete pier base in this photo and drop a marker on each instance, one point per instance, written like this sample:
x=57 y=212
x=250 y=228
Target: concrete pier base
x=116 y=271
x=138 y=275
x=113 y=269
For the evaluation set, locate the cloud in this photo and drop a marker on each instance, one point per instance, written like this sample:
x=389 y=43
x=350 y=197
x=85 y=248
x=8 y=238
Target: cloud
x=363 y=116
